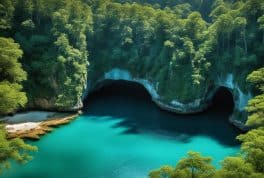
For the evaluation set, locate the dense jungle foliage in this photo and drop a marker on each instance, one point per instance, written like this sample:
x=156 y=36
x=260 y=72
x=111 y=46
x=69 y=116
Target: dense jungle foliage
x=169 y=42
x=47 y=49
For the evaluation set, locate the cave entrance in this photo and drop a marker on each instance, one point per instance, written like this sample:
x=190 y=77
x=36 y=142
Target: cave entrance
x=119 y=89
x=128 y=106
x=223 y=100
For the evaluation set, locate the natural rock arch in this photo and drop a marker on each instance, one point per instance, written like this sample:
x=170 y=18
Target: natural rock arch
x=238 y=116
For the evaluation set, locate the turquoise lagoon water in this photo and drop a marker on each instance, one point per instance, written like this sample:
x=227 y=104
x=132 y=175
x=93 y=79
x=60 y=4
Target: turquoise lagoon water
x=122 y=134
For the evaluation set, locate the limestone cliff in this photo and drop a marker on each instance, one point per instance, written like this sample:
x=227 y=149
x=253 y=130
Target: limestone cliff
x=180 y=57
x=197 y=104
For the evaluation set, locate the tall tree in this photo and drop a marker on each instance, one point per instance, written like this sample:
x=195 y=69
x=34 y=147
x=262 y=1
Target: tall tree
x=253 y=148
x=11 y=76
x=256 y=105
x=196 y=165
x=253 y=141
x=236 y=167
x=6 y=14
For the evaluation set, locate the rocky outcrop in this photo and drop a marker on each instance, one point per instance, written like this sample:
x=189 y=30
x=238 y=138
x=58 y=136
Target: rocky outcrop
x=33 y=130
x=151 y=87
x=49 y=104
x=197 y=105
x=239 y=116
x=197 y=101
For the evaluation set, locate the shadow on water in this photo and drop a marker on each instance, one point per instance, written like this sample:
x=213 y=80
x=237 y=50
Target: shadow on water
x=132 y=104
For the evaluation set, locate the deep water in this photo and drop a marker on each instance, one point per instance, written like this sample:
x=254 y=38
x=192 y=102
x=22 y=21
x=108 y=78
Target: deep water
x=122 y=134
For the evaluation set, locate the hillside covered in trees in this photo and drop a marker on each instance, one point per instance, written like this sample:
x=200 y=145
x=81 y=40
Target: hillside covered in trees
x=50 y=51
x=62 y=41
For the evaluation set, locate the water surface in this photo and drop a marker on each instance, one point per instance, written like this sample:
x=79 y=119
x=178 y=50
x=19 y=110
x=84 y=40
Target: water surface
x=122 y=134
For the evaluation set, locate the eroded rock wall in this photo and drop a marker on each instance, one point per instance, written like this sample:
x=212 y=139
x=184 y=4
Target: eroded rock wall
x=238 y=116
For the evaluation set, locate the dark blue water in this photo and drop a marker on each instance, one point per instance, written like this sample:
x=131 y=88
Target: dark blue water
x=122 y=134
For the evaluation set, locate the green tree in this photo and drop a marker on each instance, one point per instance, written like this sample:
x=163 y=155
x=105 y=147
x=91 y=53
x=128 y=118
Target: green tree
x=219 y=8
x=256 y=105
x=193 y=166
x=235 y=167
x=256 y=110
x=182 y=10
x=253 y=148
x=11 y=70
x=196 y=165
x=253 y=141
x=13 y=149
x=11 y=76
x=6 y=14
x=70 y=25
x=11 y=97
x=163 y=172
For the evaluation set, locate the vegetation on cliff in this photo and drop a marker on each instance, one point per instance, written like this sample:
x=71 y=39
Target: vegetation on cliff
x=250 y=163
x=190 y=43
x=52 y=35
x=180 y=47
x=11 y=76
x=44 y=46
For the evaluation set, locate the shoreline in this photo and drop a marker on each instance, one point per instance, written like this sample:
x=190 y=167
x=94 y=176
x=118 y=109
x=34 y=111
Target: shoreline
x=33 y=130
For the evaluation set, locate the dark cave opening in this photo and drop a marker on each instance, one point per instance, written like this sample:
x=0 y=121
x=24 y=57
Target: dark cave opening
x=131 y=102
x=223 y=100
x=122 y=88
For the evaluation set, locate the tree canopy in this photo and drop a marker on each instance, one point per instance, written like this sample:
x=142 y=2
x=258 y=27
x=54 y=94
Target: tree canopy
x=11 y=76
x=14 y=149
x=50 y=49
x=193 y=166
x=170 y=42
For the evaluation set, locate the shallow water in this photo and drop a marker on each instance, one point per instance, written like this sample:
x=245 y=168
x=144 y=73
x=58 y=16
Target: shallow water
x=122 y=134
x=32 y=116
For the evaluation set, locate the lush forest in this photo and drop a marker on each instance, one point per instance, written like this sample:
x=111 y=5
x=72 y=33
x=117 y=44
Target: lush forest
x=62 y=41
x=52 y=47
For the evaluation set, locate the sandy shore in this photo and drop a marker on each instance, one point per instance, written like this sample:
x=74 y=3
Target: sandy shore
x=22 y=126
x=33 y=130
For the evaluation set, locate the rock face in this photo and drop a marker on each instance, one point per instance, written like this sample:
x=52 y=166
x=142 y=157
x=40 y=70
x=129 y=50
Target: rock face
x=198 y=99
x=197 y=105
x=238 y=118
